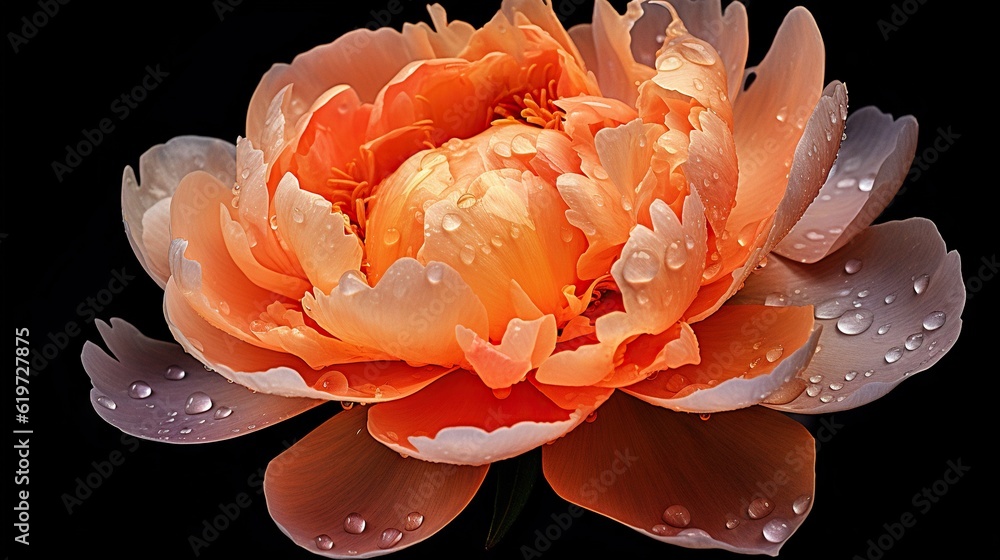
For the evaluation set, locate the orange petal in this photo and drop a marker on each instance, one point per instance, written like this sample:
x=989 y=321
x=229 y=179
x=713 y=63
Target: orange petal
x=338 y=472
x=618 y=74
x=726 y=31
x=747 y=353
x=884 y=317
x=476 y=427
x=525 y=344
x=145 y=207
x=646 y=354
x=642 y=459
x=429 y=301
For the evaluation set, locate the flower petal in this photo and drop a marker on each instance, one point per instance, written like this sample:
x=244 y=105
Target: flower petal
x=871 y=166
x=617 y=72
x=641 y=459
x=280 y=373
x=428 y=301
x=339 y=471
x=146 y=215
x=525 y=344
x=153 y=390
x=747 y=353
x=726 y=31
x=890 y=303
x=477 y=427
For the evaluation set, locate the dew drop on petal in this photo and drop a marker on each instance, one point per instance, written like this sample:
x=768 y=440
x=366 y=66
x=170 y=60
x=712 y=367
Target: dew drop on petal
x=914 y=341
x=389 y=538
x=776 y=300
x=106 y=402
x=354 y=524
x=139 y=390
x=324 y=542
x=816 y=379
x=920 y=283
x=467 y=254
x=467 y=200
x=777 y=530
x=197 y=403
x=413 y=521
x=760 y=508
x=850 y=376
x=391 y=236
x=732 y=523
x=856 y=321
x=435 y=273
x=836 y=386
x=451 y=222
x=852 y=266
x=676 y=255
x=801 y=504
x=662 y=530
x=935 y=320
x=894 y=354
x=813 y=390
x=830 y=309
x=677 y=516
x=774 y=353
x=669 y=63
x=884 y=328
x=890 y=298
x=826 y=399
x=222 y=412
x=174 y=373
x=641 y=267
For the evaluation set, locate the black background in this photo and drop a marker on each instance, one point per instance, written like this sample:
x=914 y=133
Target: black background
x=63 y=239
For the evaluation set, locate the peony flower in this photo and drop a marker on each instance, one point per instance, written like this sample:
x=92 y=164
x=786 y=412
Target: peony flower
x=617 y=243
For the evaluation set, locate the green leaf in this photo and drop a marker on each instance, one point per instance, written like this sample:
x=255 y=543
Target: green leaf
x=515 y=479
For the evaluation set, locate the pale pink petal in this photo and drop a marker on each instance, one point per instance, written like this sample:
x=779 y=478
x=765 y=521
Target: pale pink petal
x=477 y=426
x=276 y=372
x=890 y=303
x=618 y=74
x=716 y=470
x=525 y=344
x=871 y=166
x=747 y=353
x=410 y=314
x=583 y=37
x=153 y=390
x=161 y=169
x=448 y=38
x=338 y=472
x=726 y=31
x=540 y=13
x=316 y=234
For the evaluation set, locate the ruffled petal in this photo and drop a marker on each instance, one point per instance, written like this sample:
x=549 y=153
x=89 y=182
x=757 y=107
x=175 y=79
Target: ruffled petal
x=153 y=390
x=870 y=169
x=741 y=481
x=747 y=352
x=477 y=426
x=525 y=344
x=890 y=303
x=618 y=73
x=338 y=493
x=146 y=207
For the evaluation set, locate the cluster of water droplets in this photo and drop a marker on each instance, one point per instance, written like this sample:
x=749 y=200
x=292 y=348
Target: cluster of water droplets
x=677 y=519
x=355 y=524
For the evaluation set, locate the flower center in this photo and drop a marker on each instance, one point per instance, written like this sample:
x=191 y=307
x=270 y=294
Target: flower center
x=532 y=104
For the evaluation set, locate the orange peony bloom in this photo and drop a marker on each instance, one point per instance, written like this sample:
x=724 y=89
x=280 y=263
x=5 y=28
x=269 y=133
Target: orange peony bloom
x=489 y=234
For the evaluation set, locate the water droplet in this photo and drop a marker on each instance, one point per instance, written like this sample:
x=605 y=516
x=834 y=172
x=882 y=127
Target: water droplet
x=856 y=321
x=782 y=115
x=890 y=298
x=451 y=222
x=496 y=241
x=435 y=273
x=866 y=183
x=222 y=412
x=626 y=204
x=704 y=417
x=670 y=63
x=920 y=283
x=777 y=530
x=813 y=235
x=413 y=521
x=641 y=267
x=389 y=538
x=816 y=379
x=354 y=524
x=324 y=542
x=273 y=220
x=826 y=399
x=515 y=231
x=185 y=430
x=894 y=354
x=774 y=353
x=884 y=328
x=391 y=236
x=106 y=402
x=801 y=504
x=139 y=390
x=869 y=373
x=174 y=373
x=677 y=516
x=813 y=390
x=662 y=530
x=732 y=523
x=914 y=341
x=467 y=200
x=566 y=234
x=197 y=403
x=776 y=300
x=830 y=309
x=864 y=293
x=676 y=255
x=849 y=376
x=760 y=508
x=754 y=362
x=698 y=84
x=852 y=266
x=836 y=386
x=346 y=405
x=297 y=215
x=934 y=321
x=467 y=254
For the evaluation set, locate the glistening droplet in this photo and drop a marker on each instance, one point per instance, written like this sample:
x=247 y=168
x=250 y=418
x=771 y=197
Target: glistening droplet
x=760 y=508
x=856 y=321
x=139 y=390
x=677 y=516
x=106 y=402
x=197 y=403
x=174 y=373
x=935 y=320
x=354 y=524
x=413 y=521
x=389 y=538
x=777 y=530
x=324 y=542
